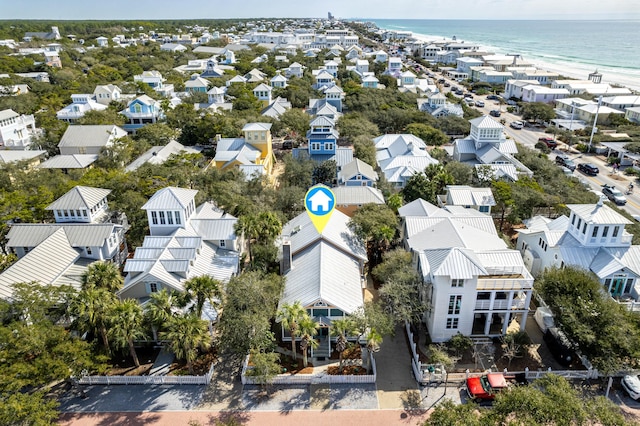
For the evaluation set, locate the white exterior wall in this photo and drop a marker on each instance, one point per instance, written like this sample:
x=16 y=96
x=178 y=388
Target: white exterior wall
x=528 y=244
x=436 y=320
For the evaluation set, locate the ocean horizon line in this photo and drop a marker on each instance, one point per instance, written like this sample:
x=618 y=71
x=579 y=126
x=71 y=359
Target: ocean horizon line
x=129 y=19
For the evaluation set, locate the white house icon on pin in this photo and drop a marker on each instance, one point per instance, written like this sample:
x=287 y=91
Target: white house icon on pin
x=320 y=201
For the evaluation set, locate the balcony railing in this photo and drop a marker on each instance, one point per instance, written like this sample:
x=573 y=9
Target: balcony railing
x=504 y=284
x=501 y=305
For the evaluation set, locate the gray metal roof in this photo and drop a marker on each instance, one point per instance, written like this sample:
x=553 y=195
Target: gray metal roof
x=74 y=161
x=160 y=154
x=40 y=264
x=355 y=167
x=358 y=195
x=78 y=234
x=93 y=135
x=7 y=156
x=323 y=273
x=80 y=197
x=170 y=198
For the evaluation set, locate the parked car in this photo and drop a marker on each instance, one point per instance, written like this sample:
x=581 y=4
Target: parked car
x=516 y=125
x=495 y=113
x=559 y=345
x=588 y=169
x=479 y=104
x=614 y=195
x=468 y=95
x=565 y=161
x=549 y=142
x=492 y=97
x=446 y=84
x=485 y=387
x=631 y=385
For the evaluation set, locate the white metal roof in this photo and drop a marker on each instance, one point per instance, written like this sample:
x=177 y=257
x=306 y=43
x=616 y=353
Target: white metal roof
x=301 y=232
x=355 y=167
x=39 y=264
x=594 y=213
x=323 y=273
x=456 y=263
x=170 y=198
x=80 y=197
x=74 y=161
x=463 y=195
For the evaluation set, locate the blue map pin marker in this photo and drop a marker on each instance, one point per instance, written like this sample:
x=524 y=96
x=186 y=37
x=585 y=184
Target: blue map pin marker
x=320 y=202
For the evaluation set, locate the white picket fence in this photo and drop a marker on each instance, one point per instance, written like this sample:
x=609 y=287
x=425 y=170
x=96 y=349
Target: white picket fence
x=147 y=380
x=310 y=379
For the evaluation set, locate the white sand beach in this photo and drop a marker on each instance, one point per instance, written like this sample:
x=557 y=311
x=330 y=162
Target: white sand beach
x=571 y=70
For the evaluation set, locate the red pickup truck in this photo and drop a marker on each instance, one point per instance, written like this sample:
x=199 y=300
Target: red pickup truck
x=485 y=387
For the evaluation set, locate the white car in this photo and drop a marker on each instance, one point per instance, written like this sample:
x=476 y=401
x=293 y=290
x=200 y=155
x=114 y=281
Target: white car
x=517 y=124
x=631 y=384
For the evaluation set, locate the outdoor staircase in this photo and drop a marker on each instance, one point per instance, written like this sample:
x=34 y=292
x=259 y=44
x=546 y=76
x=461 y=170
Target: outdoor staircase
x=323 y=348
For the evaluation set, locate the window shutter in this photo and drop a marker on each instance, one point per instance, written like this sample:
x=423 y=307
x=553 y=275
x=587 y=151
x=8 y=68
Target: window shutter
x=148 y=287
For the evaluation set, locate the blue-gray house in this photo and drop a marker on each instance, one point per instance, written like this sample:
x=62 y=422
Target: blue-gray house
x=140 y=111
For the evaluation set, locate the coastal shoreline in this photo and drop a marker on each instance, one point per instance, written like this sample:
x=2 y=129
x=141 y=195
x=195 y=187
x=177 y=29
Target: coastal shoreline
x=563 y=68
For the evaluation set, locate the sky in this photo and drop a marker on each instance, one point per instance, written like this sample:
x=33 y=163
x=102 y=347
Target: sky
x=346 y=9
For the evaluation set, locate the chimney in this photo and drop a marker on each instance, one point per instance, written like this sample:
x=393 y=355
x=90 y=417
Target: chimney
x=285 y=263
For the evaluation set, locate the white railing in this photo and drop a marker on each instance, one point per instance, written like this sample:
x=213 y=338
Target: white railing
x=148 y=380
x=504 y=284
x=308 y=379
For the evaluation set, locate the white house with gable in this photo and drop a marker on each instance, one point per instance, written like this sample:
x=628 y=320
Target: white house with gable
x=400 y=156
x=471 y=282
x=487 y=145
x=16 y=130
x=592 y=237
x=185 y=241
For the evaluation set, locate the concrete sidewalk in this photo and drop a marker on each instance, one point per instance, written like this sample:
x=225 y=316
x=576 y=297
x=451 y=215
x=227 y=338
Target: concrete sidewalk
x=162 y=364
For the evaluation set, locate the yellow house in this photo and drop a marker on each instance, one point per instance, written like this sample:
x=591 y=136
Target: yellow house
x=253 y=154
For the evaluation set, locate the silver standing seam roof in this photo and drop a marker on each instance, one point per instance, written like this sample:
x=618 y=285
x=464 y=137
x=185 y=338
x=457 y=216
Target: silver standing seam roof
x=40 y=265
x=80 y=197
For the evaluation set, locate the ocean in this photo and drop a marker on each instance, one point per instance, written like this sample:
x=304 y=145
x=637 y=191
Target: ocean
x=572 y=48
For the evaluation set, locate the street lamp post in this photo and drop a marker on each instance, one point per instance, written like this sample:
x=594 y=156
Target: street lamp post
x=595 y=122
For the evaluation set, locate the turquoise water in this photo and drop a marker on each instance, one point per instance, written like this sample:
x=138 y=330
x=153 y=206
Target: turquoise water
x=611 y=46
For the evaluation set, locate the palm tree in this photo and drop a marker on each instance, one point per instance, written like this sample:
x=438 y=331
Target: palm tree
x=290 y=316
x=127 y=322
x=185 y=335
x=308 y=329
x=247 y=225
x=92 y=309
x=203 y=288
x=374 y=339
x=160 y=309
x=103 y=275
x=341 y=329
x=263 y=227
